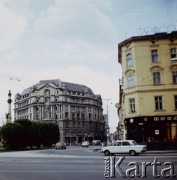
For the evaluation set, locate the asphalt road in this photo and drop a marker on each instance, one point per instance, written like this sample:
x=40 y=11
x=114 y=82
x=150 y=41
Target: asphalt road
x=77 y=163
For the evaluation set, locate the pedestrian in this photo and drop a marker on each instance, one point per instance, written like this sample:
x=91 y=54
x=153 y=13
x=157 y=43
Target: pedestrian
x=149 y=139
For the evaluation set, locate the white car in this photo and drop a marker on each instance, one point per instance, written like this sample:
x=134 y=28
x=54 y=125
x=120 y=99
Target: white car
x=85 y=144
x=124 y=146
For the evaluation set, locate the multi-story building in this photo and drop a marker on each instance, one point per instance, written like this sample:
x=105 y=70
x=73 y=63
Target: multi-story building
x=76 y=109
x=148 y=88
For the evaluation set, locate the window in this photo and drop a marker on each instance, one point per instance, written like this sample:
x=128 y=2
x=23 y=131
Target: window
x=90 y=116
x=175 y=99
x=47 y=100
x=174 y=76
x=47 y=108
x=73 y=116
x=125 y=143
x=117 y=144
x=154 y=55
x=158 y=103
x=66 y=107
x=83 y=116
x=129 y=60
x=47 y=92
x=130 y=81
x=156 y=77
x=173 y=53
x=66 y=114
x=132 y=104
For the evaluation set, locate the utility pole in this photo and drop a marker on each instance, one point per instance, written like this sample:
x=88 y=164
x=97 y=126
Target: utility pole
x=107 y=121
x=9 y=101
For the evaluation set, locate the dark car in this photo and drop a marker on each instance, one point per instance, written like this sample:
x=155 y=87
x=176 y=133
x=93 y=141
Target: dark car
x=60 y=145
x=96 y=142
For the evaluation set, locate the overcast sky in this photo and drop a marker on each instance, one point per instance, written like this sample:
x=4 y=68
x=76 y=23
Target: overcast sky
x=74 y=41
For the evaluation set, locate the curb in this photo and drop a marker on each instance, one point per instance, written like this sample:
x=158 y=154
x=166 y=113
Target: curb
x=160 y=151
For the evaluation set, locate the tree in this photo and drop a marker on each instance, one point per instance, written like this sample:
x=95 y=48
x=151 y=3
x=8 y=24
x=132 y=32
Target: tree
x=50 y=134
x=36 y=134
x=26 y=131
x=12 y=136
x=23 y=133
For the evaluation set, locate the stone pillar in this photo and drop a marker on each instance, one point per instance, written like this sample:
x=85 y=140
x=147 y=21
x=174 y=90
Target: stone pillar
x=9 y=114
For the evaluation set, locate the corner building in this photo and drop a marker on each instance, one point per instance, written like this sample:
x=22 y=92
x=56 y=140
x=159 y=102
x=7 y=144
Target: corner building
x=76 y=109
x=148 y=88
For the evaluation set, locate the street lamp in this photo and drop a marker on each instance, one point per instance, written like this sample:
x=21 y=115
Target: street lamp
x=107 y=130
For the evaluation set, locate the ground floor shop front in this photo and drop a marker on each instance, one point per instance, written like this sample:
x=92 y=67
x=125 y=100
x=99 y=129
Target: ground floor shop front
x=151 y=128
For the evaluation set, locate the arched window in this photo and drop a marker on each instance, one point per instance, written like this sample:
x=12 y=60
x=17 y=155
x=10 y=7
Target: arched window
x=47 y=92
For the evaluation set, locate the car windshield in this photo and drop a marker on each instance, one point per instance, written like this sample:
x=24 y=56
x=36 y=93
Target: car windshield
x=134 y=142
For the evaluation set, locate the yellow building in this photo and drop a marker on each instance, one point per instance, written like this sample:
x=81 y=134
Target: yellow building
x=148 y=88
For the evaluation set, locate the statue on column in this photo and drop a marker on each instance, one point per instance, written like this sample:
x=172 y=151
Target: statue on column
x=9 y=115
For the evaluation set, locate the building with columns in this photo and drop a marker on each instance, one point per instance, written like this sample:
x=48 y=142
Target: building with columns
x=76 y=109
x=148 y=87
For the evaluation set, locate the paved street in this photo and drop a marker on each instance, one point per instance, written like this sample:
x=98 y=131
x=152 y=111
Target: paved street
x=73 y=163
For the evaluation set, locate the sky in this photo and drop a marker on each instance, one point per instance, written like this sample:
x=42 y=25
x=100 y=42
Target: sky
x=75 y=41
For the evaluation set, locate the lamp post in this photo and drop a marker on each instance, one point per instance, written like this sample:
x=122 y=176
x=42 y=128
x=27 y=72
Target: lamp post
x=107 y=130
x=107 y=122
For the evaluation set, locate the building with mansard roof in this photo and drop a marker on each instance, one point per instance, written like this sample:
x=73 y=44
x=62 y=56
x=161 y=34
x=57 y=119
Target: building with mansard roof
x=148 y=87
x=76 y=109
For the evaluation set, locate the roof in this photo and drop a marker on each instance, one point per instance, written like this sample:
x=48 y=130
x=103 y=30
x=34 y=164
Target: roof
x=57 y=83
x=156 y=36
x=153 y=37
x=74 y=87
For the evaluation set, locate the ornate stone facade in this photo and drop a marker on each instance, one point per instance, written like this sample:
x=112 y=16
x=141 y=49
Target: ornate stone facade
x=76 y=109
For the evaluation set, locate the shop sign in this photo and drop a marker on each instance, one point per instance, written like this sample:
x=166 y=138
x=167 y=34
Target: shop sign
x=156 y=118
x=169 y=118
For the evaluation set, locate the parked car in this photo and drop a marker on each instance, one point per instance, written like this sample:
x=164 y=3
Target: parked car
x=124 y=146
x=85 y=144
x=96 y=142
x=60 y=145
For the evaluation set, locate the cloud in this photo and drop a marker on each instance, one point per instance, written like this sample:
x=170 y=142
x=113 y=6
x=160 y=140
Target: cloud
x=12 y=27
x=63 y=36
x=80 y=19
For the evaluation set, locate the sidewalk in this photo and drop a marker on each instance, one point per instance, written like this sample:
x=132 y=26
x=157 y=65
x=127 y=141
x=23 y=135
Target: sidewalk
x=160 y=151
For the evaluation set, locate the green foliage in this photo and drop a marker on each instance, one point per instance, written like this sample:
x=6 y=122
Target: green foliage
x=26 y=132
x=12 y=136
x=23 y=133
x=36 y=134
x=50 y=134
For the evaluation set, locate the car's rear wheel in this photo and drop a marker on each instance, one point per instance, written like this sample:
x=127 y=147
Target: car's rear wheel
x=106 y=153
x=132 y=153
